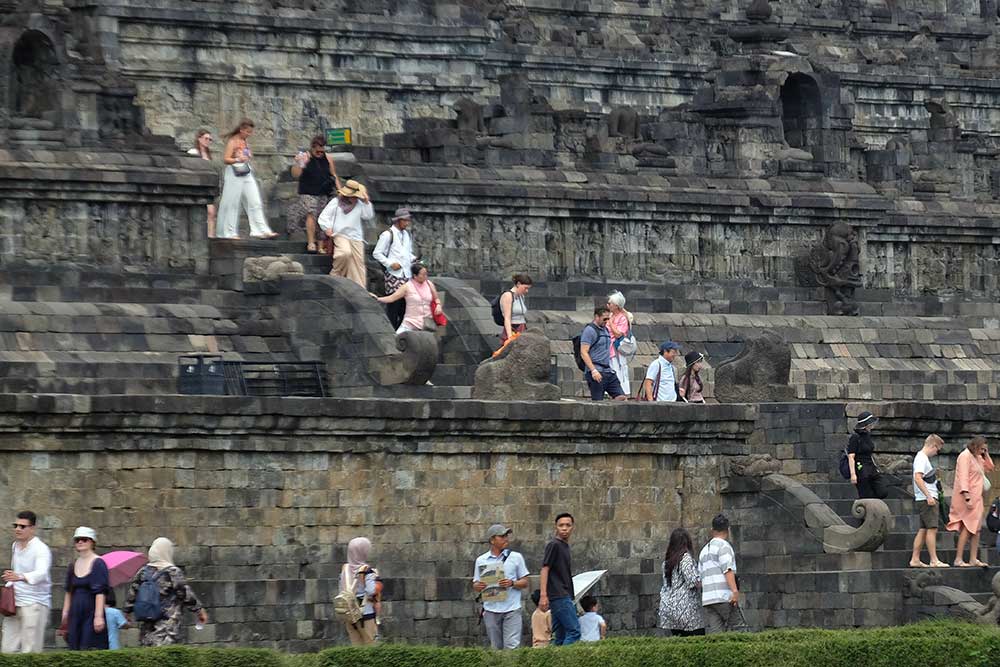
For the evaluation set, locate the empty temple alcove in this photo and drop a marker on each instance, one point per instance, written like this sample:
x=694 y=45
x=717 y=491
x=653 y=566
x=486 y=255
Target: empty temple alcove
x=802 y=113
x=34 y=82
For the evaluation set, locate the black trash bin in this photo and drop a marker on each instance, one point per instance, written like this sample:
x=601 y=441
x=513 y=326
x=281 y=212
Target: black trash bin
x=200 y=374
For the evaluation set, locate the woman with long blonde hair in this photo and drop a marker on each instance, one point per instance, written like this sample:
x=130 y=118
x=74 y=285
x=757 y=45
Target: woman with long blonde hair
x=240 y=188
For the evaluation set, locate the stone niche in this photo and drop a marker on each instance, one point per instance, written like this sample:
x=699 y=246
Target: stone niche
x=81 y=178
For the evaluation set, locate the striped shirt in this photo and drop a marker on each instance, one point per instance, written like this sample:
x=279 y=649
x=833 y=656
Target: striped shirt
x=715 y=560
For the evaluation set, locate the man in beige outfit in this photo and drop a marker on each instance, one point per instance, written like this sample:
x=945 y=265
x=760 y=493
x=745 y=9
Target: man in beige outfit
x=342 y=220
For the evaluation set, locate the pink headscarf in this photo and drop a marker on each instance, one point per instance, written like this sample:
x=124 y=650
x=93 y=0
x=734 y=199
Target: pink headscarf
x=357 y=556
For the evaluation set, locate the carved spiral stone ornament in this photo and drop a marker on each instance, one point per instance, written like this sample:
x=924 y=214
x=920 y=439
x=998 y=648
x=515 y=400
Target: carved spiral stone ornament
x=820 y=519
x=877 y=521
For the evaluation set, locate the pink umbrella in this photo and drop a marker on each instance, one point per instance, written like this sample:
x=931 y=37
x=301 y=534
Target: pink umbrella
x=122 y=565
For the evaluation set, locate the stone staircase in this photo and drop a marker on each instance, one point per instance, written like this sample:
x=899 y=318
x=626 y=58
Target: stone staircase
x=942 y=351
x=75 y=330
x=791 y=582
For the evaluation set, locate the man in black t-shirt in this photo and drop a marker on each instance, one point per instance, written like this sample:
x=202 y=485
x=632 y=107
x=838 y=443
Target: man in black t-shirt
x=557 y=584
x=317 y=176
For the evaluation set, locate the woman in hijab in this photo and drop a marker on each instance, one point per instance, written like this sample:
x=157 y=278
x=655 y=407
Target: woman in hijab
x=358 y=576
x=83 y=604
x=175 y=595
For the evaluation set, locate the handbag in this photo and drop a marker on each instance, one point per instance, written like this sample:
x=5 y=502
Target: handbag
x=641 y=394
x=627 y=346
x=987 y=485
x=439 y=318
x=241 y=169
x=8 y=606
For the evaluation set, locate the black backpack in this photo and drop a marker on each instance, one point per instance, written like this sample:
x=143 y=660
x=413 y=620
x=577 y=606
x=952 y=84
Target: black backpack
x=993 y=517
x=497 y=311
x=845 y=464
x=147 y=601
x=576 y=348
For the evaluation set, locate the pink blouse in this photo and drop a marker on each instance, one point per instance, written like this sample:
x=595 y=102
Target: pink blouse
x=621 y=324
x=418 y=304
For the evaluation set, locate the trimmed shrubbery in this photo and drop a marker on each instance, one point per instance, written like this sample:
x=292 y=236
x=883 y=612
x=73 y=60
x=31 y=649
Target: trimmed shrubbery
x=939 y=644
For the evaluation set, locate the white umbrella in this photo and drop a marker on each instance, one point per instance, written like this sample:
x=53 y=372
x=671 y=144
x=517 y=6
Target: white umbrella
x=584 y=581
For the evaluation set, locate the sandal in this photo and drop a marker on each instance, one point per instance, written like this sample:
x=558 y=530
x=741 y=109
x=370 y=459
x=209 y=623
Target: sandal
x=918 y=564
x=311 y=248
x=940 y=563
x=978 y=563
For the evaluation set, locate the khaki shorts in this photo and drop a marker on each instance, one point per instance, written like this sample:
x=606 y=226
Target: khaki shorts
x=928 y=514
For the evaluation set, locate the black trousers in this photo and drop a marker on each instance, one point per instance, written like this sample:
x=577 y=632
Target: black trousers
x=396 y=311
x=870 y=486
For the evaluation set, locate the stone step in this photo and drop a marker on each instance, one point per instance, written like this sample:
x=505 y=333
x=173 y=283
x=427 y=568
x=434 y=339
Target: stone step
x=34 y=274
x=734 y=299
x=403 y=391
x=28 y=123
x=860 y=561
x=112 y=294
x=101 y=385
x=453 y=375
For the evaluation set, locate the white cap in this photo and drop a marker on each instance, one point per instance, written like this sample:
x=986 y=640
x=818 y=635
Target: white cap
x=83 y=531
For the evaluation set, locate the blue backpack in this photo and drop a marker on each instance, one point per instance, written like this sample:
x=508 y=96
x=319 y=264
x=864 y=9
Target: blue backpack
x=147 y=601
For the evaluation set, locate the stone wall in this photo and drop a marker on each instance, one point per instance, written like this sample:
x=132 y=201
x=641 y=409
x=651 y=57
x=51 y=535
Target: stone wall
x=261 y=496
x=108 y=209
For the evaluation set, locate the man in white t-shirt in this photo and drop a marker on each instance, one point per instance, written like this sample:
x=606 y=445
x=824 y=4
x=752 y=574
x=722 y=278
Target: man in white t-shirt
x=925 y=497
x=661 y=380
x=507 y=576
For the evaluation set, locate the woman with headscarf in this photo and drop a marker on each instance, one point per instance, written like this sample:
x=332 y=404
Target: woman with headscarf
x=342 y=221
x=620 y=330
x=175 y=595
x=966 y=516
x=361 y=578
x=83 y=604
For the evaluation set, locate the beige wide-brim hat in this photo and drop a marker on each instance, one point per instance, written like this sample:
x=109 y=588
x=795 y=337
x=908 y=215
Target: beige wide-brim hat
x=353 y=189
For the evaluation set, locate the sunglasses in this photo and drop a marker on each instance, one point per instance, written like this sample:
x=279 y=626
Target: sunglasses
x=22 y=526
x=81 y=539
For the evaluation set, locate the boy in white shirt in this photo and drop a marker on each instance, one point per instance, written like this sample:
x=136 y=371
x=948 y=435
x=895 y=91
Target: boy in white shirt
x=592 y=625
x=925 y=497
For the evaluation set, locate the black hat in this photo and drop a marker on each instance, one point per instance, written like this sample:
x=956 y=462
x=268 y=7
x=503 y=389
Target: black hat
x=692 y=358
x=866 y=419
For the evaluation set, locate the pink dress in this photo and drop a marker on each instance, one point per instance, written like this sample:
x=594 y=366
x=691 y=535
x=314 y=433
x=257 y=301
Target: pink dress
x=418 y=306
x=968 y=477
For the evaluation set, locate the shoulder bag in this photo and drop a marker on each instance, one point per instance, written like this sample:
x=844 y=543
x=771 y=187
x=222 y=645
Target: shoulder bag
x=8 y=605
x=241 y=169
x=641 y=395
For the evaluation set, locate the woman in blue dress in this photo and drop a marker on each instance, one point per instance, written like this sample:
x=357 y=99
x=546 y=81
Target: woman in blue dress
x=86 y=585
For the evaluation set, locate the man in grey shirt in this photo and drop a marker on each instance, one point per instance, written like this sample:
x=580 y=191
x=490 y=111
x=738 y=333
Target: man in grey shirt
x=595 y=350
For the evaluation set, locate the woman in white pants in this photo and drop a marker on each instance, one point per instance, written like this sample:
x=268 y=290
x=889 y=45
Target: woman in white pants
x=240 y=186
x=620 y=330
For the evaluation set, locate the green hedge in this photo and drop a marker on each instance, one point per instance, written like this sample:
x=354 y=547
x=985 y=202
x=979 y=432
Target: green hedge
x=923 y=645
x=174 y=656
x=939 y=644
